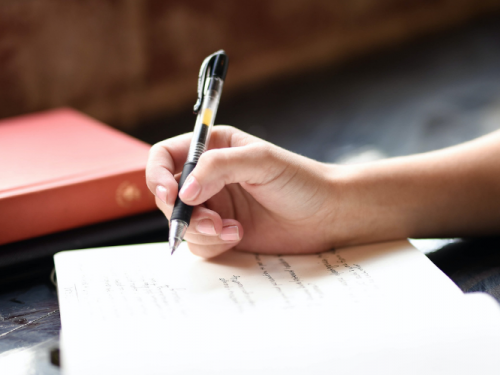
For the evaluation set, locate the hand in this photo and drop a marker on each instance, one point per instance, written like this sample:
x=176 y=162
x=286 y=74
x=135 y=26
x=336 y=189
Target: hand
x=249 y=195
x=254 y=196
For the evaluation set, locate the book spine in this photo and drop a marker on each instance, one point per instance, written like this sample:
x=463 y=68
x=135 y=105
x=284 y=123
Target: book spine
x=66 y=207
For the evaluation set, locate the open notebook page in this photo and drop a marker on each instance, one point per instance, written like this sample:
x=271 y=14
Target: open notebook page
x=138 y=303
x=122 y=283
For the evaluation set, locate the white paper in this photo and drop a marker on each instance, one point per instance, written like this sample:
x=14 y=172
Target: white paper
x=136 y=309
x=129 y=282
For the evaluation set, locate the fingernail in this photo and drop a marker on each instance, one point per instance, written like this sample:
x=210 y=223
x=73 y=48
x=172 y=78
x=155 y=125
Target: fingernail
x=161 y=193
x=206 y=226
x=190 y=189
x=230 y=234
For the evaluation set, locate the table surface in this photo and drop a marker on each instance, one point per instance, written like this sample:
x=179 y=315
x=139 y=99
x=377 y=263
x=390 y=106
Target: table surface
x=431 y=93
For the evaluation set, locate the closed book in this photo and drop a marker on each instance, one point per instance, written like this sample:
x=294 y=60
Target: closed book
x=61 y=169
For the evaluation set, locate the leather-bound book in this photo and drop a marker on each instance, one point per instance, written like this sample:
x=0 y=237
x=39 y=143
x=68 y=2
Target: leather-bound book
x=61 y=169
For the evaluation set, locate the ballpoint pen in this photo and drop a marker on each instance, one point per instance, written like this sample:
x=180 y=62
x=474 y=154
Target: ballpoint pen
x=210 y=81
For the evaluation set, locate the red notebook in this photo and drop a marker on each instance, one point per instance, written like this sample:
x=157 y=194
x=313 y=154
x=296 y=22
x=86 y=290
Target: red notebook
x=61 y=169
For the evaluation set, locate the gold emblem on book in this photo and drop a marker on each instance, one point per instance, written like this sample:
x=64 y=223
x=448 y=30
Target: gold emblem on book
x=127 y=193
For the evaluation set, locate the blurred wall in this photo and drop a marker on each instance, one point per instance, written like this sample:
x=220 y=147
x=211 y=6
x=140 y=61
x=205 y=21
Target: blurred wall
x=124 y=61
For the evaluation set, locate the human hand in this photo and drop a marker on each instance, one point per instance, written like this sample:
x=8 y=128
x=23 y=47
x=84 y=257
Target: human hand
x=249 y=195
x=254 y=196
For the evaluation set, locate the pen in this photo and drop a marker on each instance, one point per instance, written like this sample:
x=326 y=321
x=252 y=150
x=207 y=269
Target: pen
x=210 y=81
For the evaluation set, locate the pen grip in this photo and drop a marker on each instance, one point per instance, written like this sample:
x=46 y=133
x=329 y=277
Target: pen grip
x=181 y=210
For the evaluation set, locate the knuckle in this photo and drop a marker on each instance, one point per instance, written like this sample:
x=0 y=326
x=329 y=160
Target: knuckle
x=261 y=150
x=151 y=179
x=211 y=159
x=228 y=128
x=155 y=149
x=239 y=138
x=149 y=171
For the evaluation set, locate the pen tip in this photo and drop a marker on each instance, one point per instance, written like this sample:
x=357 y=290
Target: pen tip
x=174 y=245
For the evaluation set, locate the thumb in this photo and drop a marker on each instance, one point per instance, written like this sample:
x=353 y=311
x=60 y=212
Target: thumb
x=255 y=164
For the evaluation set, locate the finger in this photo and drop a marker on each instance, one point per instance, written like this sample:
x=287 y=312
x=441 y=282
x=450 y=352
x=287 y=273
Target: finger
x=231 y=232
x=211 y=246
x=200 y=212
x=225 y=136
x=165 y=208
x=165 y=160
x=205 y=222
x=256 y=163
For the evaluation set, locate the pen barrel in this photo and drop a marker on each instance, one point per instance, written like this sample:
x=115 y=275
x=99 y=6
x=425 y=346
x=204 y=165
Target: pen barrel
x=182 y=211
x=201 y=137
x=205 y=119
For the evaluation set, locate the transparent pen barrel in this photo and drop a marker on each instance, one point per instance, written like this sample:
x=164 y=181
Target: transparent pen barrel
x=205 y=119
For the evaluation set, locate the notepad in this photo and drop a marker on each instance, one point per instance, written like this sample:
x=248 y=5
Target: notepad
x=382 y=308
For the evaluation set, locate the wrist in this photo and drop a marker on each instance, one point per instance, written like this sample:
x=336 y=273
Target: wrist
x=369 y=207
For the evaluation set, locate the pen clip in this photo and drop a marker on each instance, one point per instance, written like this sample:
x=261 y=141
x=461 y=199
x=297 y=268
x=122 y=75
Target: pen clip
x=202 y=77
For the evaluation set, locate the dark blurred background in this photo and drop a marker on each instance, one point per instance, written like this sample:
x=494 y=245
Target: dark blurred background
x=317 y=65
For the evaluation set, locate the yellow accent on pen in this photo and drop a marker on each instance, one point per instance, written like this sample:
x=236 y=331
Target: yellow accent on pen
x=207 y=116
